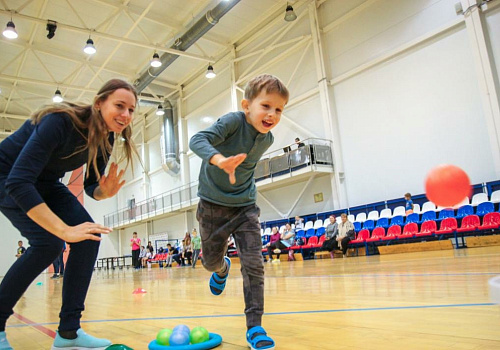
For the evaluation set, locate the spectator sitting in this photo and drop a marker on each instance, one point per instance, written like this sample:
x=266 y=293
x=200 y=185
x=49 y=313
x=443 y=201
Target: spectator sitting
x=171 y=252
x=345 y=234
x=275 y=237
x=148 y=254
x=331 y=231
x=287 y=238
x=142 y=255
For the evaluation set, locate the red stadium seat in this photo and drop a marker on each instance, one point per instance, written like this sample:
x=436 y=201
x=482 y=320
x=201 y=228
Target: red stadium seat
x=311 y=242
x=448 y=225
x=377 y=234
x=409 y=230
x=427 y=229
x=393 y=233
x=491 y=221
x=320 y=242
x=469 y=223
x=362 y=236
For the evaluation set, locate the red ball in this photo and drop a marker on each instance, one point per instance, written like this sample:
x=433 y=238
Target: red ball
x=447 y=185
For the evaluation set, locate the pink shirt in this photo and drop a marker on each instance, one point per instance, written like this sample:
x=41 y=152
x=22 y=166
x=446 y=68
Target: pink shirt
x=137 y=244
x=274 y=237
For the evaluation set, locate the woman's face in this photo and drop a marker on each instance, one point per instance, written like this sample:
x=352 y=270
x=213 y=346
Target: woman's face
x=117 y=110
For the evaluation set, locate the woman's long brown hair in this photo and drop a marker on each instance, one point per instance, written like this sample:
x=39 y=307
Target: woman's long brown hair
x=89 y=117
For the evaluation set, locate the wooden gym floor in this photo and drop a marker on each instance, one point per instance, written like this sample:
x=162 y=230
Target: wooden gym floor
x=430 y=300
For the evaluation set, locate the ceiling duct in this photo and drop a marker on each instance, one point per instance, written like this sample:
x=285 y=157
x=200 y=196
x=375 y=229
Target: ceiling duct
x=203 y=25
x=168 y=143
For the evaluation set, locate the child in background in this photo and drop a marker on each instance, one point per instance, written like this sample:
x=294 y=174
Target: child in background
x=196 y=243
x=409 y=204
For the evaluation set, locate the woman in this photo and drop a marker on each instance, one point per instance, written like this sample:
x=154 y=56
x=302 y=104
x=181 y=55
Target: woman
x=187 y=252
x=60 y=138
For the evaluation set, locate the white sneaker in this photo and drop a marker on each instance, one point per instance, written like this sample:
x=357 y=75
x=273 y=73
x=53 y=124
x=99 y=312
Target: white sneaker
x=83 y=341
x=277 y=251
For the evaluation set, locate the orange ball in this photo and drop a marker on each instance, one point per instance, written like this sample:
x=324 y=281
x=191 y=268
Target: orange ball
x=447 y=185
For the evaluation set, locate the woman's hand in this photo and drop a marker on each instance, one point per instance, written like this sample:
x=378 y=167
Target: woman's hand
x=110 y=185
x=85 y=231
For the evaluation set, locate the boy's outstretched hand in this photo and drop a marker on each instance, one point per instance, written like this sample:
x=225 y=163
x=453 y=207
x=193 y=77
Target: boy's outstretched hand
x=228 y=164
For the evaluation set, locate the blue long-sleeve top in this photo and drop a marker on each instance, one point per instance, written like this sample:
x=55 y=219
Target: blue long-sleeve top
x=229 y=136
x=36 y=156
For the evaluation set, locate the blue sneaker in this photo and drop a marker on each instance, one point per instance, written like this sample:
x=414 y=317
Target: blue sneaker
x=83 y=341
x=4 y=343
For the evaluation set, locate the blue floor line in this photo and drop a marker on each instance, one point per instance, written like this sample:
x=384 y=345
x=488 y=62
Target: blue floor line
x=268 y=313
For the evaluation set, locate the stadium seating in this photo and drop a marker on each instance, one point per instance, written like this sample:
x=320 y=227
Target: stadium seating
x=399 y=211
x=386 y=213
x=478 y=198
x=428 y=215
x=310 y=232
x=357 y=226
x=428 y=228
x=351 y=218
x=377 y=234
x=361 y=217
x=393 y=233
x=320 y=231
x=321 y=240
x=410 y=230
x=373 y=215
x=446 y=213
x=369 y=224
x=383 y=222
x=448 y=225
x=318 y=223
x=416 y=208
x=491 y=221
x=361 y=237
x=469 y=223
x=495 y=197
x=412 y=218
x=398 y=220
x=308 y=225
x=465 y=210
x=485 y=208
x=428 y=206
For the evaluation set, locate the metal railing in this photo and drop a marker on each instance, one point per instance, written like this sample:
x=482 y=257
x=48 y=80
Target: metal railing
x=178 y=198
x=309 y=152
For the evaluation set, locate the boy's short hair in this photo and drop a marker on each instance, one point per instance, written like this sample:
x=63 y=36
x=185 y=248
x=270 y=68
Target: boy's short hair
x=407 y=194
x=267 y=82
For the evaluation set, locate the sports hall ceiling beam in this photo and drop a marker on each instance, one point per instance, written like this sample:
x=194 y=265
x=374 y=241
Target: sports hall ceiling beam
x=109 y=36
x=117 y=47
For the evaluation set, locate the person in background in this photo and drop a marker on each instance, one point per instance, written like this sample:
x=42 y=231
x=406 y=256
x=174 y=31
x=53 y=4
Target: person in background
x=299 y=143
x=330 y=233
x=58 y=264
x=344 y=235
x=273 y=239
x=196 y=243
x=135 y=243
x=286 y=241
x=408 y=204
x=149 y=247
x=187 y=252
x=172 y=251
x=20 y=249
x=299 y=223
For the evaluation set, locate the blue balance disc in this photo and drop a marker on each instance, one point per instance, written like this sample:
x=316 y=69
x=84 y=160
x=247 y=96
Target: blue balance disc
x=213 y=341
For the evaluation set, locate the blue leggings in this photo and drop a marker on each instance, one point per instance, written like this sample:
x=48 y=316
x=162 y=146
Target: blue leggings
x=43 y=249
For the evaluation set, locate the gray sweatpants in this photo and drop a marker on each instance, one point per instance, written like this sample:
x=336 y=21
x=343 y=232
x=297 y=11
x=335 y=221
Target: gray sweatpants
x=217 y=222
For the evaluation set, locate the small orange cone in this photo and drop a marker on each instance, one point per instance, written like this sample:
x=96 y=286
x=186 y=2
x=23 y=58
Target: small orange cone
x=139 y=291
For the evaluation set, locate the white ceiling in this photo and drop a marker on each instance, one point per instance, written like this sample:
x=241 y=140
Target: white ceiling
x=125 y=34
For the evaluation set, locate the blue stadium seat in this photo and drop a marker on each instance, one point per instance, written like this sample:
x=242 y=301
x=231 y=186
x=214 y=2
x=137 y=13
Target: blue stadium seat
x=357 y=226
x=300 y=233
x=398 y=220
x=320 y=231
x=383 y=222
x=310 y=232
x=446 y=213
x=369 y=224
x=464 y=211
x=412 y=218
x=485 y=208
x=428 y=216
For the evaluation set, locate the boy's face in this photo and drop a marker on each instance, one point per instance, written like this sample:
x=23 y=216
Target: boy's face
x=264 y=111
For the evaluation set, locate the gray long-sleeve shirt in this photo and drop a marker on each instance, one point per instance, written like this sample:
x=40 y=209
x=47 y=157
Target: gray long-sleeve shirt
x=229 y=136
x=331 y=230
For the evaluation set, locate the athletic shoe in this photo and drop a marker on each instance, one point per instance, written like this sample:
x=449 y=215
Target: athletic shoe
x=276 y=251
x=83 y=341
x=4 y=343
x=54 y=276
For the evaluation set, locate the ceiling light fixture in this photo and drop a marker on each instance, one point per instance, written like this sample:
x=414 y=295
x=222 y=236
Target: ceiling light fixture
x=51 y=29
x=155 y=62
x=89 y=48
x=57 y=97
x=210 y=72
x=290 y=14
x=10 y=30
x=160 y=110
